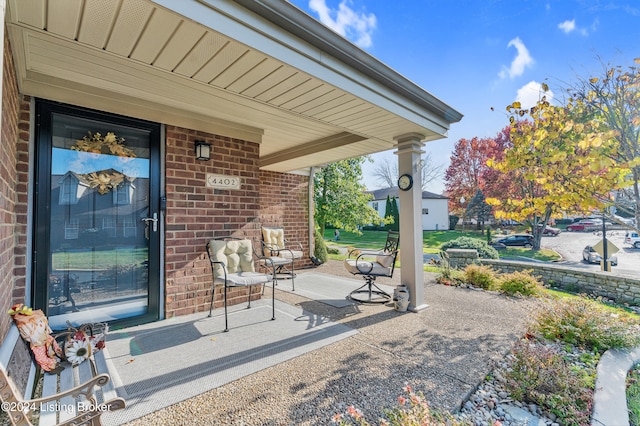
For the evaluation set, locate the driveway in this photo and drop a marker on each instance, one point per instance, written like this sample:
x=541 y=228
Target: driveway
x=571 y=244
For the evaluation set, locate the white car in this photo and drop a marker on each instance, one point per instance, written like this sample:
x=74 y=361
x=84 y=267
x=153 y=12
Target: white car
x=590 y=255
x=632 y=238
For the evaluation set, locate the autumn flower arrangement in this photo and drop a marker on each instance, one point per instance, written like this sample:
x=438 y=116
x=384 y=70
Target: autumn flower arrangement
x=109 y=144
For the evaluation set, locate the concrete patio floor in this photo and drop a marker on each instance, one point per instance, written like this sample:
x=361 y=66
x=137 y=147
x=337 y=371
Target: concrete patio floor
x=444 y=351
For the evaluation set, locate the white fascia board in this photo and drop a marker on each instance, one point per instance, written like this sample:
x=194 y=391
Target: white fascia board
x=238 y=23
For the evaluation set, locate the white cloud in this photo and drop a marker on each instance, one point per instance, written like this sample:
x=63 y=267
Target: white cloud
x=567 y=26
x=570 y=26
x=529 y=94
x=355 y=26
x=520 y=62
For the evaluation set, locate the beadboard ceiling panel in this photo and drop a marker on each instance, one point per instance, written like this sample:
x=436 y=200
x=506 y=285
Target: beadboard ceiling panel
x=221 y=67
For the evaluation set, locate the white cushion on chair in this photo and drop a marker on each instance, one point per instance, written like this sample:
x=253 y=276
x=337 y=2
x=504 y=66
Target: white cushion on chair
x=244 y=278
x=278 y=261
x=273 y=237
x=236 y=255
x=365 y=267
x=291 y=254
x=385 y=260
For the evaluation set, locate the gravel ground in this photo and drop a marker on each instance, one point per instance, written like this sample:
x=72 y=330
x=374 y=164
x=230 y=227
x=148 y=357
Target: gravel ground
x=444 y=351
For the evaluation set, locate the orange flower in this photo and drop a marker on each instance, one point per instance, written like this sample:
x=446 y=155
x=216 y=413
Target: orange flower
x=354 y=412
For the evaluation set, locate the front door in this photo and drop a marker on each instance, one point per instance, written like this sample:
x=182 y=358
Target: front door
x=96 y=216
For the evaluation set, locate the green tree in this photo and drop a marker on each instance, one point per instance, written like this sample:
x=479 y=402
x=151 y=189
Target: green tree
x=479 y=209
x=340 y=200
x=562 y=158
x=388 y=212
x=395 y=213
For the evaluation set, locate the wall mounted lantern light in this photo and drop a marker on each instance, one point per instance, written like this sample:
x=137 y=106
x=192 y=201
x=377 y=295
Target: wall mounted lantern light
x=203 y=150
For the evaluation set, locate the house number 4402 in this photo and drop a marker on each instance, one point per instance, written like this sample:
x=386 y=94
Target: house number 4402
x=222 y=181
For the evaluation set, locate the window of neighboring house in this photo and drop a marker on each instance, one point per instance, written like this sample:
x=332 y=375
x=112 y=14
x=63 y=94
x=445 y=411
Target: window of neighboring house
x=129 y=227
x=122 y=195
x=68 y=191
x=109 y=225
x=71 y=229
x=425 y=211
x=375 y=205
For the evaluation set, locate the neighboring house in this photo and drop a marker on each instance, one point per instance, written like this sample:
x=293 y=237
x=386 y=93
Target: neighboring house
x=435 y=208
x=104 y=107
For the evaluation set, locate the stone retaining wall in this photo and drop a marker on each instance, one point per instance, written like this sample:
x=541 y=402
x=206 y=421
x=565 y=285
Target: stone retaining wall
x=622 y=289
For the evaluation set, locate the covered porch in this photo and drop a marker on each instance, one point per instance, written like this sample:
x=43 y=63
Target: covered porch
x=314 y=360
x=272 y=91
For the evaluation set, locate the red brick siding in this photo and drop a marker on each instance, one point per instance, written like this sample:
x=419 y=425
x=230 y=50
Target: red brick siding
x=196 y=213
x=12 y=237
x=284 y=202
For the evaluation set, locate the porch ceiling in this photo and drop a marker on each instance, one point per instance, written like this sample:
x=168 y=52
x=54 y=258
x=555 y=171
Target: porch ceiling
x=261 y=71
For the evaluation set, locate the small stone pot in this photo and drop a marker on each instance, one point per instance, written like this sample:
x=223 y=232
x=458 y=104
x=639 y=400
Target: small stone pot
x=401 y=298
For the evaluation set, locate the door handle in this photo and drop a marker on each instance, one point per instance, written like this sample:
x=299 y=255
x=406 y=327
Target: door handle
x=153 y=219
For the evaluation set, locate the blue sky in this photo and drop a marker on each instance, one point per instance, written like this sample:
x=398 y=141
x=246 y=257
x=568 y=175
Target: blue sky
x=479 y=54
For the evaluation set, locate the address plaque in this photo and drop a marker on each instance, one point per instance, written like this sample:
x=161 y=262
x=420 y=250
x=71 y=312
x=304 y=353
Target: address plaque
x=223 y=181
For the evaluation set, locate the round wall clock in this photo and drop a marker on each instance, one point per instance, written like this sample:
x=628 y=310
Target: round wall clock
x=405 y=182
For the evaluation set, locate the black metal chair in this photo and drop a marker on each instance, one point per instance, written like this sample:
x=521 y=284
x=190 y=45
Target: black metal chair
x=371 y=264
x=284 y=252
x=281 y=260
x=232 y=264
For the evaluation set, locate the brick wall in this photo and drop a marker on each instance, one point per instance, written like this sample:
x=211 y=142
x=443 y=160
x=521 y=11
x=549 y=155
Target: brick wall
x=284 y=202
x=196 y=213
x=11 y=287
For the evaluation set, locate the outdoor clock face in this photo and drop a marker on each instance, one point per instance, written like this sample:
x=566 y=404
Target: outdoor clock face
x=405 y=182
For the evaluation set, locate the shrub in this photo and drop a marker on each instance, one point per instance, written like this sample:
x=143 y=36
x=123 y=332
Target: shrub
x=520 y=283
x=484 y=250
x=480 y=276
x=586 y=323
x=539 y=374
x=320 y=249
x=633 y=395
x=453 y=221
x=448 y=275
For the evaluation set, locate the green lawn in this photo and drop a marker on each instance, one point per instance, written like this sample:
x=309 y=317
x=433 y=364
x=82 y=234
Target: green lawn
x=432 y=240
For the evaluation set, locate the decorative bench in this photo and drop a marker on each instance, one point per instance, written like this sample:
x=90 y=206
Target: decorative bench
x=74 y=395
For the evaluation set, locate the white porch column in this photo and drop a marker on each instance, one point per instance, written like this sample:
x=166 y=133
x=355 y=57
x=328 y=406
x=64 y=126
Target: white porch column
x=410 y=205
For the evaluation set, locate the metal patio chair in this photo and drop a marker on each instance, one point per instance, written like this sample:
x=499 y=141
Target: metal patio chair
x=371 y=264
x=284 y=252
x=232 y=264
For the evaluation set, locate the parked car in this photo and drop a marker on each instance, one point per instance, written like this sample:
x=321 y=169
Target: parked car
x=590 y=255
x=548 y=230
x=585 y=225
x=632 y=238
x=523 y=240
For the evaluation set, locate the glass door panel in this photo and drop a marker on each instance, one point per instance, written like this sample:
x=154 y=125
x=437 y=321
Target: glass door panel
x=99 y=235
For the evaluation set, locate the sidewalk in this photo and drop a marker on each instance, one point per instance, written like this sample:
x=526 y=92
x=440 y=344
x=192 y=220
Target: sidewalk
x=444 y=351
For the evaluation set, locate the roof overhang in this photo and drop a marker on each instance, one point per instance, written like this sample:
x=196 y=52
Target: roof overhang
x=257 y=70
